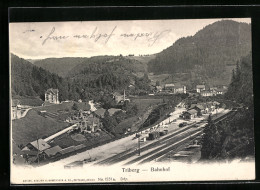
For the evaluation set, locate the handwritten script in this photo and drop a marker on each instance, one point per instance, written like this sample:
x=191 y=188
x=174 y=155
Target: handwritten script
x=150 y=37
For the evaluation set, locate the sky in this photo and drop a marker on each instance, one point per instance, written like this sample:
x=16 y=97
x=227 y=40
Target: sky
x=39 y=40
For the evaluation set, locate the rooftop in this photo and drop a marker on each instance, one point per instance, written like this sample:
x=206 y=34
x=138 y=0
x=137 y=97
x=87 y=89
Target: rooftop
x=179 y=86
x=100 y=112
x=15 y=103
x=42 y=144
x=117 y=94
x=52 y=151
x=192 y=111
x=112 y=111
x=200 y=86
x=67 y=150
x=201 y=106
x=169 y=85
x=52 y=91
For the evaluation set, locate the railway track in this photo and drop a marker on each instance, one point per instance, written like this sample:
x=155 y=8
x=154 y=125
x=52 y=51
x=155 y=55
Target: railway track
x=160 y=151
x=162 y=142
x=163 y=145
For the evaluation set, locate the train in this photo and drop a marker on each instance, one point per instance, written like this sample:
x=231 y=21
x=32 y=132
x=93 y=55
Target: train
x=157 y=134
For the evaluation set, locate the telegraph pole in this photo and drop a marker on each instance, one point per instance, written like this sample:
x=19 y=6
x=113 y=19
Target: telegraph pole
x=38 y=150
x=139 y=150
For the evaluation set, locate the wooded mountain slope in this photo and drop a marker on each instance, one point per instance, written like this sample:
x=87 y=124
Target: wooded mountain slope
x=107 y=74
x=29 y=80
x=233 y=138
x=60 y=66
x=206 y=54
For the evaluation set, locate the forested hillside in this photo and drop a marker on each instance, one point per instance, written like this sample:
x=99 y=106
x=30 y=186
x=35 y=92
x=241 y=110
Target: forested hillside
x=29 y=80
x=101 y=64
x=71 y=66
x=233 y=138
x=207 y=54
x=241 y=86
x=60 y=66
x=104 y=74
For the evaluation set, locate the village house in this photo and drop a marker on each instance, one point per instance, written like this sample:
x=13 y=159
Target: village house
x=212 y=92
x=190 y=114
x=203 y=108
x=213 y=88
x=92 y=105
x=200 y=88
x=179 y=89
x=100 y=112
x=37 y=145
x=207 y=93
x=220 y=91
x=16 y=109
x=169 y=87
x=91 y=124
x=198 y=108
x=120 y=98
x=52 y=96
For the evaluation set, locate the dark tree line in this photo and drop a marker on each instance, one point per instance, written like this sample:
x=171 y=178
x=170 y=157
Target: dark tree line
x=235 y=136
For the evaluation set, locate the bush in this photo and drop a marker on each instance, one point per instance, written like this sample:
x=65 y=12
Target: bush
x=75 y=106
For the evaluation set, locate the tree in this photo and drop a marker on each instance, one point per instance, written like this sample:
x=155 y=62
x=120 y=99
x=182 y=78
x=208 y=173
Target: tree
x=109 y=122
x=75 y=106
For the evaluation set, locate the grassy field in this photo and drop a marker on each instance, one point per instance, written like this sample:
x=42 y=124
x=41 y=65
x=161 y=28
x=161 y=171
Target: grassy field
x=56 y=107
x=29 y=101
x=34 y=126
x=66 y=140
x=160 y=78
x=65 y=106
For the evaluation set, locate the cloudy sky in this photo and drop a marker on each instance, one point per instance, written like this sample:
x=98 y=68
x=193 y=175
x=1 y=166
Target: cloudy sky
x=40 y=40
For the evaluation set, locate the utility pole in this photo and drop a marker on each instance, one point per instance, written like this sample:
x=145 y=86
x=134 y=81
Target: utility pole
x=139 y=150
x=38 y=149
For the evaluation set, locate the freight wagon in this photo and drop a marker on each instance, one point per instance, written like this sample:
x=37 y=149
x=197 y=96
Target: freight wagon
x=164 y=132
x=154 y=135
